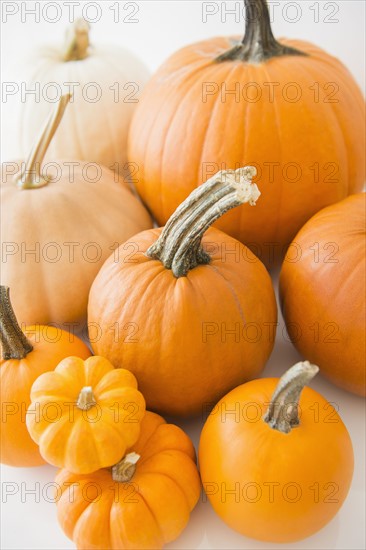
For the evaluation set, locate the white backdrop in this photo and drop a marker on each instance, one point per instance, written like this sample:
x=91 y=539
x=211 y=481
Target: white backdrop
x=160 y=27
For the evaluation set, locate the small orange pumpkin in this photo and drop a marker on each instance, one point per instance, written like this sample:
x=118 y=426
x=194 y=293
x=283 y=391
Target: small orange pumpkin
x=323 y=292
x=143 y=502
x=290 y=469
x=26 y=355
x=84 y=415
x=287 y=107
x=195 y=313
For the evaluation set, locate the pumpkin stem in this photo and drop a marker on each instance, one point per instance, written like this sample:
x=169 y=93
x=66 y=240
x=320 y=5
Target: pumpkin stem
x=30 y=175
x=15 y=345
x=179 y=245
x=282 y=413
x=77 y=41
x=124 y=470
x=258 y=44
x=86 y=399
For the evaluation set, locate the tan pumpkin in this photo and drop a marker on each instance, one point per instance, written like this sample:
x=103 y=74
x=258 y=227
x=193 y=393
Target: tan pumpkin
x=105 y=81
x=58 y=228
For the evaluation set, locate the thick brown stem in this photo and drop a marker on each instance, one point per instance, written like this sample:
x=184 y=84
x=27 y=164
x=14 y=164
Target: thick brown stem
x=77 y=41
x=15 y=345
x=258 y=43
x=30 y=176
x=86 y=399
x=283 y=413
x=179 y=245
x=124 y=470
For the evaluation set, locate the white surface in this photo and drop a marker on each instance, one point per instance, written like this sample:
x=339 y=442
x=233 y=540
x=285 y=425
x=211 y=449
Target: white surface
x=29 y=521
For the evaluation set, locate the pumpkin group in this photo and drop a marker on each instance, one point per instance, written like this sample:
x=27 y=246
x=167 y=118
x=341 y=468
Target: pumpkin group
x=290 y=469
x=323 y=292
x=288 y=108
x=84 y=415
x=143 y=502
x=195 y=311
x=25 y=356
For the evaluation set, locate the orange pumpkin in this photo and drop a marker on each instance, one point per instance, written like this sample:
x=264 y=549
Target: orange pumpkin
x=276 y=469
x=58 y=227
x=84 y=415
x=143 y=502
x=194 y=314
x=323 y=292
x=26 y=355
x=287 y=107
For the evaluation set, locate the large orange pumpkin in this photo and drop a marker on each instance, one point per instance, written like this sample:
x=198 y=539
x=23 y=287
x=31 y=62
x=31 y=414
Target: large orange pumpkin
x=277 y=468
x=143 y=502
x=323 y=292
x=60 y=222
x=190 y=314
x=287 y=107
x=24 y=357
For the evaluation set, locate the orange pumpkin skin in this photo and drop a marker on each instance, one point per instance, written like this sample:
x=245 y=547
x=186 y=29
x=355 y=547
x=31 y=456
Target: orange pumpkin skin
x=81 y=435
x=50 y=346
x=288 y=486
x=323 y=293
x=174 y=334
x=145 y=513
x=309 y=153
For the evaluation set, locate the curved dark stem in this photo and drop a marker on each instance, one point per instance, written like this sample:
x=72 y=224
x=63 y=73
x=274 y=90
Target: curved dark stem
x=258 y=43
x=15 y=345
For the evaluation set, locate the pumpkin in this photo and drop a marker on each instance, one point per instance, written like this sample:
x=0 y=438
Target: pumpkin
x=194 y=312
x=276 y=469
x=287 y=107
x=323 y=292
x=57 y=229
x=106 y=83
x=83 y=415
x=142 y=502
x=26 y=355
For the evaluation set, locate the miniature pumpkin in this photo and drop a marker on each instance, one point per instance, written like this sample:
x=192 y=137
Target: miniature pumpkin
x=26 y=355
x=323 y=292
x=194 y=313
x=106 y=83
x=58 y=228
x=143 y=502
x=84 y=415
x=287 y=107
x=288 y=459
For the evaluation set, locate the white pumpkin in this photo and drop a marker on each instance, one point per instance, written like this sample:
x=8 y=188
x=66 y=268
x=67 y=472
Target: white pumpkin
x=105 y=83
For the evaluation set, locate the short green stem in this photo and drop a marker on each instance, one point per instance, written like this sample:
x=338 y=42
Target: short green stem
x=124 y=470
x=258 y=44
x=77 y=41
x=15 y=344
x=283 y=410
x=179 y=245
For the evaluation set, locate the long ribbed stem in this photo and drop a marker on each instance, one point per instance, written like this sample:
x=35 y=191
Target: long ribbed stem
x=179 y=245
x=77 y=41
x=283 y=413
x=258 y=43
x=15 y=345
x=31 y=176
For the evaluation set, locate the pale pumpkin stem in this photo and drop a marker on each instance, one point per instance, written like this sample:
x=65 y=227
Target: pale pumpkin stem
x=30 y=176
x=283 y=411
x=258 y=43
x=124 y=470
x=86 y=399
x=15 y=345
x=77 y=41
x=179 y=245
